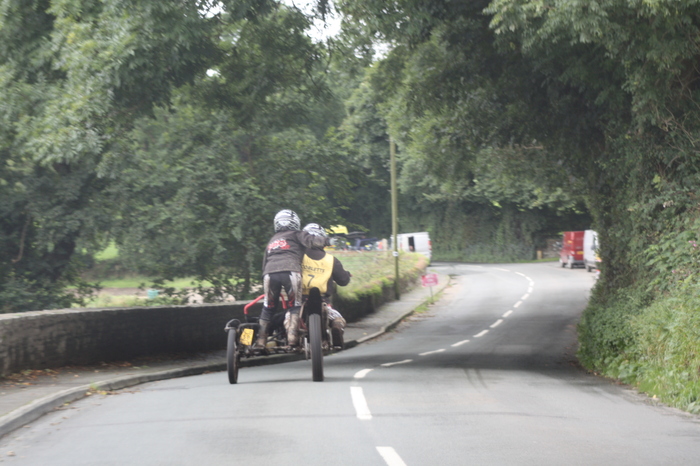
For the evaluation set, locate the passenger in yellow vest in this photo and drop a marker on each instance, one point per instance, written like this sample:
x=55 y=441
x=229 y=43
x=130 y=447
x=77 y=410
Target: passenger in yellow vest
x=320 y=270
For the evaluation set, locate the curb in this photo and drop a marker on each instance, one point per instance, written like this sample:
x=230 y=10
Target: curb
x=37 y=408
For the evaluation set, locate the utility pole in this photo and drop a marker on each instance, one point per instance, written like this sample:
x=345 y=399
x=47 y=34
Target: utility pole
x=394 y=214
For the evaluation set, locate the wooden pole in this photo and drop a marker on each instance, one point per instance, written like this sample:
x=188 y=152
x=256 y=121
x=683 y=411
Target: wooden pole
x=394 y=214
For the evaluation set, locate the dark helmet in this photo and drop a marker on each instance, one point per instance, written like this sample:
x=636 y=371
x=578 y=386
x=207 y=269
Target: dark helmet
x=287 y=220
x=316 y=230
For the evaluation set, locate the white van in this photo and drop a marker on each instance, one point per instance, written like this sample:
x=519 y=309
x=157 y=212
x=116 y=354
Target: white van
x=416 y=242
x=591 y=259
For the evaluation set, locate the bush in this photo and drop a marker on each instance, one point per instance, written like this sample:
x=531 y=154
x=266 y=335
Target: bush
x=372 y=281
x=654 y=346
x=668 y=347
x=605 y=332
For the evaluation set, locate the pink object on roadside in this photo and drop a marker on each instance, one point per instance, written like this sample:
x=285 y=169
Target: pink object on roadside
x=429 y=279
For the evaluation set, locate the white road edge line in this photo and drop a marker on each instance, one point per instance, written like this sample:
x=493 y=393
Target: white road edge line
x=507 y=314
x=481 y=334
x=459 y=343
x=432 y=352
x=497 y=323
x=517 y=304
x=360 y=404
x=389 y=364
x=361 y=374
x=521 y=274
x=390 y=456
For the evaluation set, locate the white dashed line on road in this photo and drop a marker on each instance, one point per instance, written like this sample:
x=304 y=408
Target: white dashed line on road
x=431 y=352
x=507 y=314
x=516 y=305
x=497 y=323
x=459 y=343
x=361 y=374
x=481 y=334
x=389 y=364
x=525 y=296
x=360 y=404
x=390 y=456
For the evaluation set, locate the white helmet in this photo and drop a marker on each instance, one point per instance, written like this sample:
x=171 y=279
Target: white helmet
x=286 y=220
x=316 y=230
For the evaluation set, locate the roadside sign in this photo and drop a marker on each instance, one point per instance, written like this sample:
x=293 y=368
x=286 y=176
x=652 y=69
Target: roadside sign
x=429 y=279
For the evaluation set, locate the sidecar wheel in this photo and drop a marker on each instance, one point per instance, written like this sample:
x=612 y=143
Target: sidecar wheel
x=233 y=359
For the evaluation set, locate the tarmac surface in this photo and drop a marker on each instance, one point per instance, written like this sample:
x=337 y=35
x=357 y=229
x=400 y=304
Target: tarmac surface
x=27 y=396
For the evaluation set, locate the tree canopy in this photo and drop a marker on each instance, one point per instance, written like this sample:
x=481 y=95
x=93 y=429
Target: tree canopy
x=90 y=87
x=74 y=75
x=178 y=129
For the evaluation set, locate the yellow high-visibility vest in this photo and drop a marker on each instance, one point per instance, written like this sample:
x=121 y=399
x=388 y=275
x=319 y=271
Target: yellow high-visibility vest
x=316 y=273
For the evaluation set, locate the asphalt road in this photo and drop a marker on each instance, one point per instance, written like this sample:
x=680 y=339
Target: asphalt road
x=487 y=377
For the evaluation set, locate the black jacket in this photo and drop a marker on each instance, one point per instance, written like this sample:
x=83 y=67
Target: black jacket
x=286 y=249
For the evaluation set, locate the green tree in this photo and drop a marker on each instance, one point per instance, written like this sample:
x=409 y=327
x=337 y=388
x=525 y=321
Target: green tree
x=74 y=77
x=455 y=104
x=202 y=179
x=199 y=193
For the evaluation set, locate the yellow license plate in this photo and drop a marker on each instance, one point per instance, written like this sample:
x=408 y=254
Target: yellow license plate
x=247 y=336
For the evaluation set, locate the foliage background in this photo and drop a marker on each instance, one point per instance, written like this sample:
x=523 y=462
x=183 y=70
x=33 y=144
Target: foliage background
x=177 y=129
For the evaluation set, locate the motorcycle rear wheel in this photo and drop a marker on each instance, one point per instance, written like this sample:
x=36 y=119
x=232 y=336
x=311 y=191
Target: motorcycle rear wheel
x=316 y=347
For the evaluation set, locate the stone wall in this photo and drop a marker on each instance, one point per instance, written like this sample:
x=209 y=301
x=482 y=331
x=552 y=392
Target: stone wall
x=66 y=337
x=45 y=339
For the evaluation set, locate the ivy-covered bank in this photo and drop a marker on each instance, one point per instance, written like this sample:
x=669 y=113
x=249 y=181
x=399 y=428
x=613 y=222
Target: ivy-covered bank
x=643 y=322
x=651 y=345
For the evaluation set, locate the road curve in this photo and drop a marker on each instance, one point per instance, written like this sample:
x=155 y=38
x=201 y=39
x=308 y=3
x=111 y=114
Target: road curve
x=487 y=376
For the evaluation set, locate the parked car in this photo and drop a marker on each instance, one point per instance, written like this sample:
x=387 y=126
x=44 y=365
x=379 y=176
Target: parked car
x=591 y=258
x=571 y=254
x=416 y=242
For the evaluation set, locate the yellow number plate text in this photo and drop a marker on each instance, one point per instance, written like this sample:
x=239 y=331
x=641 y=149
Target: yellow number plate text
x=247 y=336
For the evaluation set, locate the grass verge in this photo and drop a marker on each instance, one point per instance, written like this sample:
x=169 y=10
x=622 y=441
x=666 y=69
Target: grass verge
x=654 y=346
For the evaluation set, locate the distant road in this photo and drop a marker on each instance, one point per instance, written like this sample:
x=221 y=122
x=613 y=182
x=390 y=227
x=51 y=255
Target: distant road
x=486 y=377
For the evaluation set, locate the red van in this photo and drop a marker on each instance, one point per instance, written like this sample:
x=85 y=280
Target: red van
x=571 y=254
